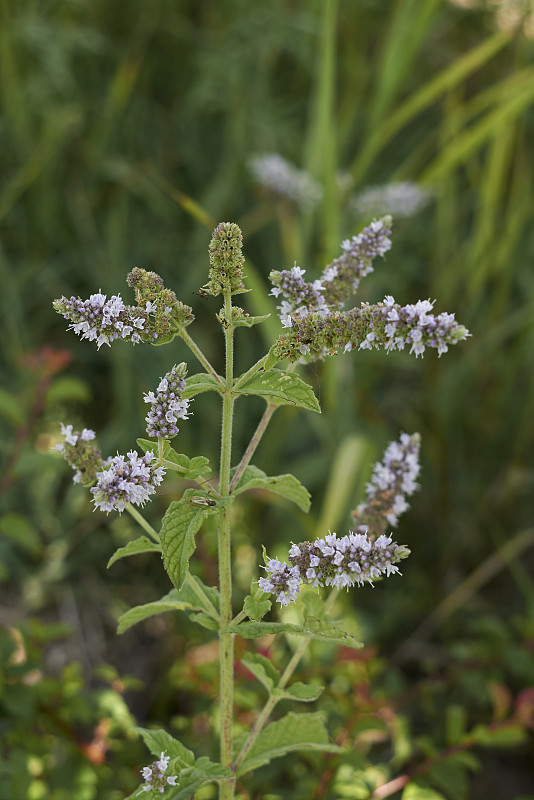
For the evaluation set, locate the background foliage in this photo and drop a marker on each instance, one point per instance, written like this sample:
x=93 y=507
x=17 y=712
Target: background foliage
x=125 y=133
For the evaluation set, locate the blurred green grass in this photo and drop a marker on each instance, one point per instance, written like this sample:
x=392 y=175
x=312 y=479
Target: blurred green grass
x=125 y=134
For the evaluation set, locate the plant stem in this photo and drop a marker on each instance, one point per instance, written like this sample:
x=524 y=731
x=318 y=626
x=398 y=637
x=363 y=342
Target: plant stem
x=250 y=372
x=282 y=683
x=254 y=442
x=262 y=425
x=146 y=526
x=226 y=639
x=193 y=346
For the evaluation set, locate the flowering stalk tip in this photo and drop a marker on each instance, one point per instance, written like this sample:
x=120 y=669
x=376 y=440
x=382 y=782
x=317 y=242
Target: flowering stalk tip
x=167 y=405
x=155 y=778
x=78 y=451
x=226 y=261
x=393 y=480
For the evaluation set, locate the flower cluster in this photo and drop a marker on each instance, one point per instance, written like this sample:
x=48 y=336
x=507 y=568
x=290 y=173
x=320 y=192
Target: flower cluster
x=339 y=279
x=226 y=261
x=349 y=560
x=155 y=778
x=342 y=277
x=168 y=314
x=84 y=458
x=282 y=179
x=393 y=480
x=126 y=481
x=402 y=199
x=167 y=405
x=157 y=317
x=301 y=297
x=370 y=327
x=102 y=320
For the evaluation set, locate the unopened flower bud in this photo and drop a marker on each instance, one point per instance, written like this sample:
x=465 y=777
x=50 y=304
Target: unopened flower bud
x=226 y=261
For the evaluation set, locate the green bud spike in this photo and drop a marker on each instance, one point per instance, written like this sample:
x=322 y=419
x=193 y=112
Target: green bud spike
x=226 y=261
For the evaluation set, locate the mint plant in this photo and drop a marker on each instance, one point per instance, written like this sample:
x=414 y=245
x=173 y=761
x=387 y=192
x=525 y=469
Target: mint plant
x=316 y=326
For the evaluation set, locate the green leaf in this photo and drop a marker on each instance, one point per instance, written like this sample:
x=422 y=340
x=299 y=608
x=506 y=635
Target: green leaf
x=313 y=603
x=262 y=669
x=415 y=791
x=10 y=408
x=189 y=468
x=141 y=545
x=256 y=605
x=284 y=485
x=159 y=741
x=316 y=628
x=202 y=382
x=281 y=388
x=206 y=621
x=292 y=732
x=192 y=778
x=181 y=522
x=173 y=601
x=304 y=692
x=248 y=321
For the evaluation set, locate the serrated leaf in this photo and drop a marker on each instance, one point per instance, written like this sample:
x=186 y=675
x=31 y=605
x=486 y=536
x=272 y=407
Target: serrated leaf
x=284 y=485
x=141 y=545
x=315 y=628
x=282 y=388
x=262 y=669
x=292 y=732
x=256 y=605
x=189 y=468
x=248 y=321
x=202 y=382
x=159 y=741
x=169 y=602
x=181 y=522
x=190 y=779
x=304 y=692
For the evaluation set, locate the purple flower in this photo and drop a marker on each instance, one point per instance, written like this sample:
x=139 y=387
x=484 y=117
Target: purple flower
x=352 y=559
x=155 y=778
x=282 y=580
x=126 y=481
x=102 y=320
x=393 y=480
x=342 y=277
x=371 y=327
x=301 y=297
x=84 y=458
x=167 y=405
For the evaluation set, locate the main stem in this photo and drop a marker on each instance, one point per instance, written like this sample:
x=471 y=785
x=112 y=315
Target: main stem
x=226 y=639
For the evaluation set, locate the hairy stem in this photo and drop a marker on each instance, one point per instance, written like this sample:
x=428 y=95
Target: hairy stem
x=226 y=639
x=193 y=346
x=250 y=372
x=146 y=526
x=284 y=679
